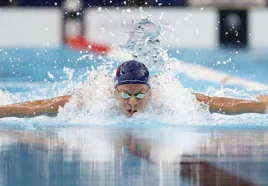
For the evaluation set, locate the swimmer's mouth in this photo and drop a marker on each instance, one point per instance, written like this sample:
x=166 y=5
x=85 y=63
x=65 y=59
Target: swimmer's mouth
x=131 y=112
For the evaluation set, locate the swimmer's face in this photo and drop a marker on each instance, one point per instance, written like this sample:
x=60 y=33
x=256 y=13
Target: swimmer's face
x=132 y=104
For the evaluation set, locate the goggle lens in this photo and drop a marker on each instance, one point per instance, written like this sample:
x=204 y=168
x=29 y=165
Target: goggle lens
x=125 y=95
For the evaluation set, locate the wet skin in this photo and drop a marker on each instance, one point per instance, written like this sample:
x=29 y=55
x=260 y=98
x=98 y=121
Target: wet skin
x=132 y=105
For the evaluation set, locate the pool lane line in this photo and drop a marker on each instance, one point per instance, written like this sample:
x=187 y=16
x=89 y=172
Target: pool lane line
x=200 y=72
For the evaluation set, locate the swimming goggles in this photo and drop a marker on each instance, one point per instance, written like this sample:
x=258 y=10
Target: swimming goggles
x=126 y=95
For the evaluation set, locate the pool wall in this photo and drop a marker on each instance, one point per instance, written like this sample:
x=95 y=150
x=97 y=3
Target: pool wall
x=184 y=27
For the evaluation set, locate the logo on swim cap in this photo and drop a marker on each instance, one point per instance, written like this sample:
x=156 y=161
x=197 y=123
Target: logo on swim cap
x=131 y=72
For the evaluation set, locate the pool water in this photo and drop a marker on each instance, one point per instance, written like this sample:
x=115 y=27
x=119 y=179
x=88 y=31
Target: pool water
x=133 y=156
x=218 y=150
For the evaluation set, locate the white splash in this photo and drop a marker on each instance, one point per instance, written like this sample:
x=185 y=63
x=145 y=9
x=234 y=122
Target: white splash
x=173 y=102
x=69 y=72
x=51 y=76
x=86 y=56
x=7 y=98
x=144 y=44
x=94 y=103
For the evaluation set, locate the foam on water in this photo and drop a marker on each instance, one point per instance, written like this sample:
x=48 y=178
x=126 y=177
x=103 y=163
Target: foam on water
x=94 y=102
x=7 y=97
x=144 y=44
x=99 y=106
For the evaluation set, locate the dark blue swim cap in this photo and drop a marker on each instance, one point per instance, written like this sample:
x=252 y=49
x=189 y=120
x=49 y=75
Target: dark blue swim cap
x=132 y=72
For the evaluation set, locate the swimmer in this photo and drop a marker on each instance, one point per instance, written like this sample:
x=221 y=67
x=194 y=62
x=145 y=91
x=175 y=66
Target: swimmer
x=133 y=92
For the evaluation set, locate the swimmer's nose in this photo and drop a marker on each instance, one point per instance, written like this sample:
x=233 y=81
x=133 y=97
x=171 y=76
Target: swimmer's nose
x=133 y=102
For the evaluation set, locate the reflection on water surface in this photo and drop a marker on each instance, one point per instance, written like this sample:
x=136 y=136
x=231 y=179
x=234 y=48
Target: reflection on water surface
x=123 y=156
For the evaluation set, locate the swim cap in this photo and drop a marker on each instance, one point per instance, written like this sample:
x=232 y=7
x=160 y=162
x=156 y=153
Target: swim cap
x=132 y=72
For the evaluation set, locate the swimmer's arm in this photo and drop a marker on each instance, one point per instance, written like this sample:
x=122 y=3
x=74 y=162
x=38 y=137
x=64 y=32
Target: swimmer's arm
x=232 y=106
x=48 y=107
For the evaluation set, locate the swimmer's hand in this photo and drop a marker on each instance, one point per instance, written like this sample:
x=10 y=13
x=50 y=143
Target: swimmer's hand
x=48 y=107
x=263 y=98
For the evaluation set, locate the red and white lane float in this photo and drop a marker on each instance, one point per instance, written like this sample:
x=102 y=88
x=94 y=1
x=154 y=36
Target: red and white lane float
x=193 y=71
